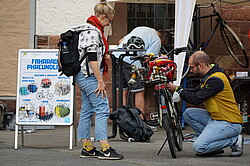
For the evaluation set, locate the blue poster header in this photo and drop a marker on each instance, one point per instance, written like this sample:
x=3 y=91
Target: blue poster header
x=42 y=64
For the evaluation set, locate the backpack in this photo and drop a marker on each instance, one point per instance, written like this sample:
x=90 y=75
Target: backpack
x=68 y=57
x=129 y=121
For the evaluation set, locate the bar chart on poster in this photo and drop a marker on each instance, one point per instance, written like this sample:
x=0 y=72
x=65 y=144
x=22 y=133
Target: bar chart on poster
x=43 y=96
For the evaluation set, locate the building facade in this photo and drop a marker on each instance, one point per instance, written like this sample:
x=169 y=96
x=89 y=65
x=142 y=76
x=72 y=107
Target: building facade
x=56 y=16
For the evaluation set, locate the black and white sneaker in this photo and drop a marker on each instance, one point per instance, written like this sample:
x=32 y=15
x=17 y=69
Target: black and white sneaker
x=92 y=153
x=237 y=147
x=109 y=154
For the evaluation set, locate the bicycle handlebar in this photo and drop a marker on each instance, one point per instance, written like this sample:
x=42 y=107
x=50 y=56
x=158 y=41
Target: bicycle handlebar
x=211 y=4
x=175 y=51
x=139 y=57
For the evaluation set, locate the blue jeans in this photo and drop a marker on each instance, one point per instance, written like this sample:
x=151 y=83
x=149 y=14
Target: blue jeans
x=212 y=134
x=92 y=105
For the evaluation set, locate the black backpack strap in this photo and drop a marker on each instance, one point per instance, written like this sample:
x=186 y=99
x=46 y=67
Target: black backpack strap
x=141 y=113
x=135 y=111
x=87 y=66
x=83 y=57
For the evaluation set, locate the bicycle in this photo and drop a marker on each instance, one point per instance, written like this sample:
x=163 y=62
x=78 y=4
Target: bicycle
x=43 y=94
x=169 y=113
x=229 y=37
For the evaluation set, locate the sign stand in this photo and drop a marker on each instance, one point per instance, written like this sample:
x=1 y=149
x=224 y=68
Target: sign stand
x=16 y=136
x=44 y=97
x=70 y=137
x=22 y=135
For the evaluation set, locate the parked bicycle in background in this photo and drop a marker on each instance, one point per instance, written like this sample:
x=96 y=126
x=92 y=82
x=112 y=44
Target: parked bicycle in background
x=229 y=37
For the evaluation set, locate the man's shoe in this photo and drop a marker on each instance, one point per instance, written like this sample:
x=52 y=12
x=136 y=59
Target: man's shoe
x=92 y=153
x=190 y=137
x=219 y=151
x=109 y=154
x=237 y=147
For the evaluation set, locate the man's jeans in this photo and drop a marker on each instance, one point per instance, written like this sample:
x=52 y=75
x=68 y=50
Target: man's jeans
x=213 y=134
x=90 y=105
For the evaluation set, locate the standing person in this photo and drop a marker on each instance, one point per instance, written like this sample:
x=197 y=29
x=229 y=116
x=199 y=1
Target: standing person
x=90 y=80
x=220 y=125
x=139 y=38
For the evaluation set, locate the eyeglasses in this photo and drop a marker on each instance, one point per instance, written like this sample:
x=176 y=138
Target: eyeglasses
x=191 y=67
x=109 y=19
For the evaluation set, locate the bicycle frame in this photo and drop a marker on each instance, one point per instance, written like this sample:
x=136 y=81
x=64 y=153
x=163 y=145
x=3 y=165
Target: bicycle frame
x=219 y=20
x=169 y=118
x=158 y=89
x=229 y=38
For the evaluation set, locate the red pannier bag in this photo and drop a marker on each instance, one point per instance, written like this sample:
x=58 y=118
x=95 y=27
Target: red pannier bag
x=161 y=70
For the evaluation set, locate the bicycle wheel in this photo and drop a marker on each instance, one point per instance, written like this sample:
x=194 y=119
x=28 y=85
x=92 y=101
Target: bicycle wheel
x=167 y=124
x=170 y=133
x=178 y=130
x=176 y=121
x=39 y=95
x=234 y=45
x=49 y=96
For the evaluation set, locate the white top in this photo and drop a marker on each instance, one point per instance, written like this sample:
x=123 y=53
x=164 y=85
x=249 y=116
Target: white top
x=90 y=38
x=148 y=35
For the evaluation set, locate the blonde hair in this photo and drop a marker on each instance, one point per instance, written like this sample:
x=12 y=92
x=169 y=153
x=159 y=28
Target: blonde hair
x=103 y=8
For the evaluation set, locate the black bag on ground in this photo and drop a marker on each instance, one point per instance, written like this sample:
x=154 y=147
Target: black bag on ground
x=132 y=125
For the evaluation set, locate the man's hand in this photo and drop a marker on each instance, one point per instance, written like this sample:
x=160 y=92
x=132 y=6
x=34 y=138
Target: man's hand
x=171 y=87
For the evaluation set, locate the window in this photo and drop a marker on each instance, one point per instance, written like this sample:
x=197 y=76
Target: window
x=158 y=16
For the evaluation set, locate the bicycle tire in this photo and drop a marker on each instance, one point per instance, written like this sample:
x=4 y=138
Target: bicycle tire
x=233 y=45
x=39 y=95
x=170 y=134
x=176 y=123
x=179 y=139
x=178 y=130
x=167 y=125
x=49 y=96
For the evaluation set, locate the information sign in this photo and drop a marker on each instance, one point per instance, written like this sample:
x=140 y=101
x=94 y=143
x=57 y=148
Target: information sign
x=43 y=96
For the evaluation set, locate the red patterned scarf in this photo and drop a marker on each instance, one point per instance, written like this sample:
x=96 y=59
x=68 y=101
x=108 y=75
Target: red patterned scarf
x=94 y=21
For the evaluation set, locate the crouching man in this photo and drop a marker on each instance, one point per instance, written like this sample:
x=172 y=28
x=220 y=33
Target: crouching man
x=220 y=125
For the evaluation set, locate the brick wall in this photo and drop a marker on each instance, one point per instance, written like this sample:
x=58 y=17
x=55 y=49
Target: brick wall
x=238 y=17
